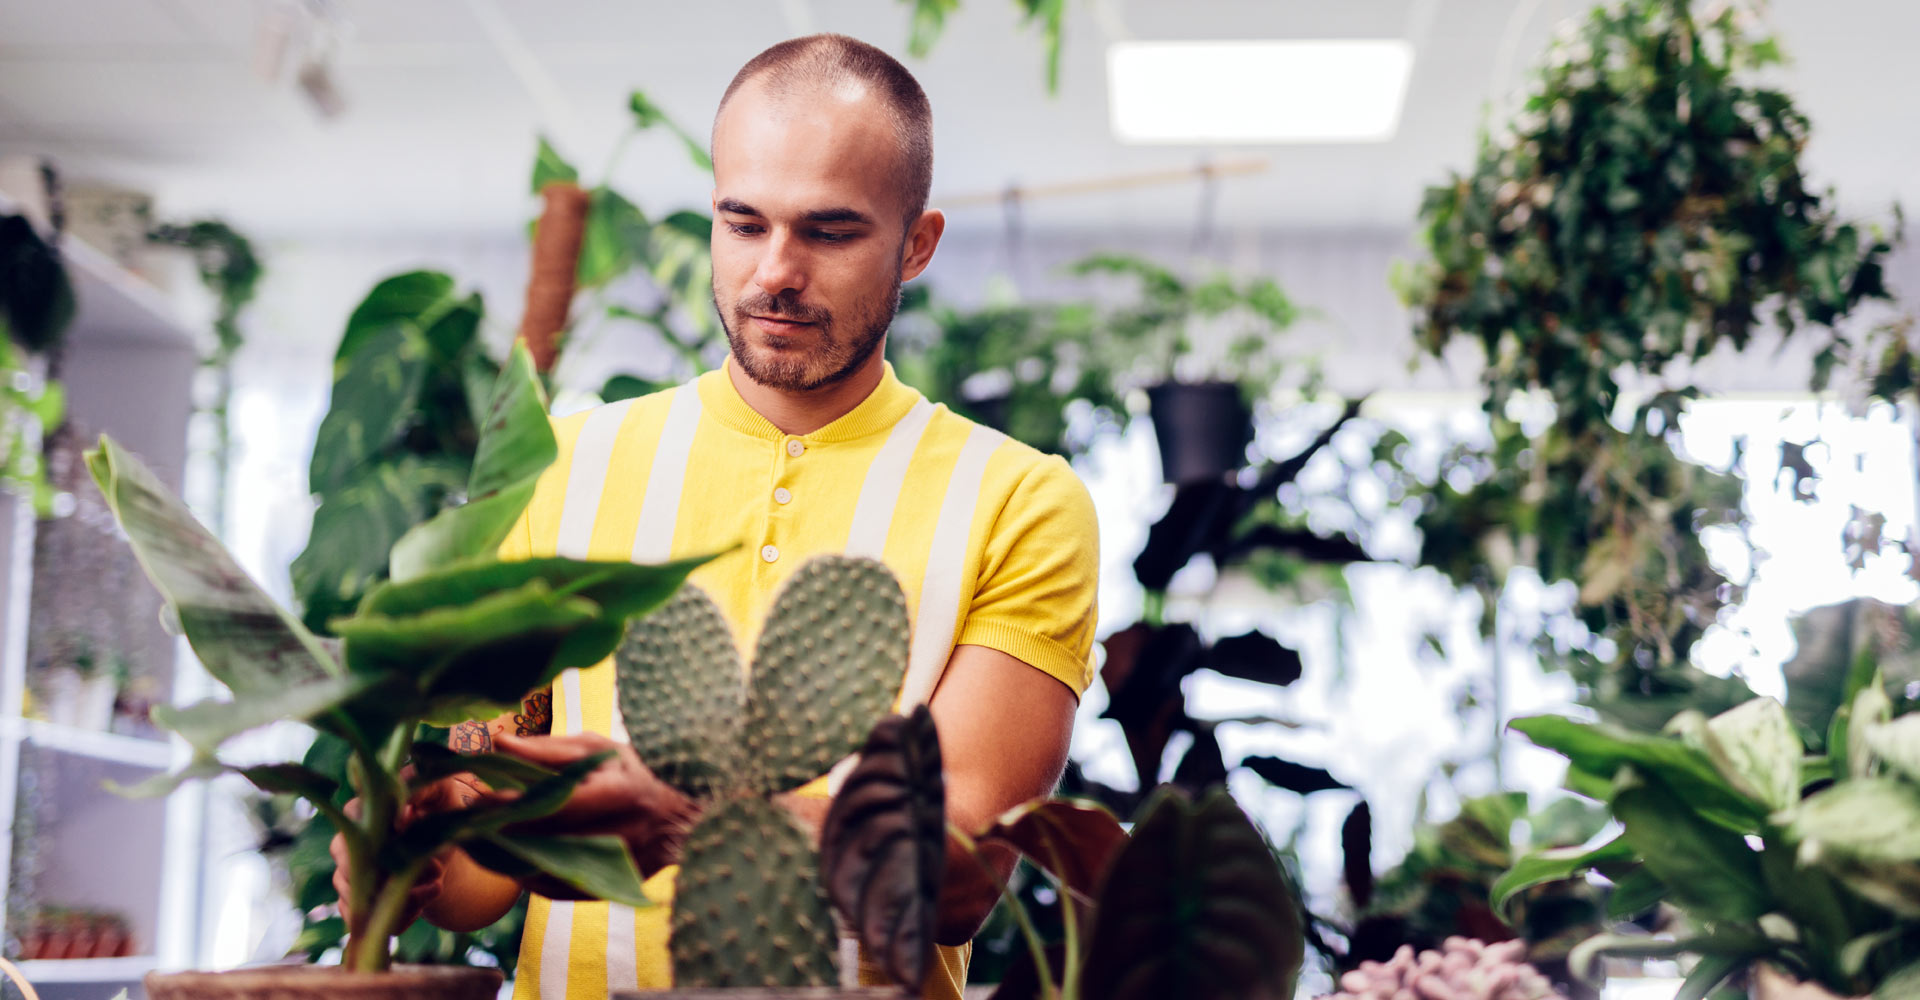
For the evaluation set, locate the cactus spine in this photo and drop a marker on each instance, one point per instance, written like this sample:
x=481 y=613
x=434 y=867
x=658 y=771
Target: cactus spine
x=748 y=908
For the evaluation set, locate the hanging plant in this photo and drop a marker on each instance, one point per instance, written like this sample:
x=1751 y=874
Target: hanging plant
x=1645 y=207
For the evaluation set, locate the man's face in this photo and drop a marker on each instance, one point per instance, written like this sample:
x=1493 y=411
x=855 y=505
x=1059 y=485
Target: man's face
x=808 y=237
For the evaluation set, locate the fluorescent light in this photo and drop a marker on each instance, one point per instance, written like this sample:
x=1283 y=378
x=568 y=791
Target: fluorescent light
x=1347 y=90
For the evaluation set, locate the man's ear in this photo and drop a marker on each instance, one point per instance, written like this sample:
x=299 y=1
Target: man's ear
x=922 y=237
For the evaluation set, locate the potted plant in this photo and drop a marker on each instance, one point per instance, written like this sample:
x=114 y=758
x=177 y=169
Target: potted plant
x=454 y=634
x=1787 y=865
x=1202 y=351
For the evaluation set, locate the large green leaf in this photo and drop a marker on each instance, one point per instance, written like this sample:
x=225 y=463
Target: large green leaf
x=1867 y=833
x=456 y=331
x=883 y=846
x=1870 y=708
x=208 y=724
x=241 y=636
x=616 y=233
x=292 y=779
x=1635 y=892
x=1710 y=971
x=479 y=659
x=516 y=446
x=1195 y=906
x=549 y=168
x=621 y=589
x=1602 y=750
x=416 y=297
x=421 y=643
x=1754 y=746
x=356 y=526
x=598 y=866
x=1554 y=865
x=1708 y=869
x=374 y=396
x=1897 y=743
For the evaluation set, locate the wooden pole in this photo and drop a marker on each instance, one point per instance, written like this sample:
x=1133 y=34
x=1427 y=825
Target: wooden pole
x=556 y=259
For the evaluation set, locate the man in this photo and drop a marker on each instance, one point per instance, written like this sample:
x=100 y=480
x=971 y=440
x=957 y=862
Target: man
x=804 y=443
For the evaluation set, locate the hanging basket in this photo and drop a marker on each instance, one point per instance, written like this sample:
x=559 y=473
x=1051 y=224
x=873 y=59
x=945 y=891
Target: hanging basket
x=1203 y=429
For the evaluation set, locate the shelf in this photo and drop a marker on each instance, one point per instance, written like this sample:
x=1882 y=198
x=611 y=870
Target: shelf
x=113 y=747
x=114 y=305
x=86 y=970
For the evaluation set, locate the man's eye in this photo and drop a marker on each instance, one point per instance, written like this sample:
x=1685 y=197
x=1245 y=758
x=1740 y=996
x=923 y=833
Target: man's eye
x=743 y=229
x=832 y=236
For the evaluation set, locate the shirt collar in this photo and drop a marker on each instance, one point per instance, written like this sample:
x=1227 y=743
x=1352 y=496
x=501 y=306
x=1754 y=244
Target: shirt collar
x=884 y=406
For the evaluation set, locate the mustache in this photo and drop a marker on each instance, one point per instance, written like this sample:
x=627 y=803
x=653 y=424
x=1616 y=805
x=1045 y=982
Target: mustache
x=781 y=307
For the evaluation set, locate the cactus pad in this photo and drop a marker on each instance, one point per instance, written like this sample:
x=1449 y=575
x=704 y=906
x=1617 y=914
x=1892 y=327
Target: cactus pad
x=747 y=908
x=680 y=690
x=829 y=661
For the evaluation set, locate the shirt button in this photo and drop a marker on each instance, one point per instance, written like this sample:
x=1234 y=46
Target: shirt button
x=794 y=447
x=783 y=495
x=769 y=553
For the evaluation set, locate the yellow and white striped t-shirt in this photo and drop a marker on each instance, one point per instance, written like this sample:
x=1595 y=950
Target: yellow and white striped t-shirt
x=994 y=543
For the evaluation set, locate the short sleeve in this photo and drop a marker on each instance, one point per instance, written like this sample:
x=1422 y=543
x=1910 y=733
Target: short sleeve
x=1036 y=599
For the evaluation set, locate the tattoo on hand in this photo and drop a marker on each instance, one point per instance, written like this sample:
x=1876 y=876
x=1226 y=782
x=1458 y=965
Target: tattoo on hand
x=535 y=717
x=470 y=737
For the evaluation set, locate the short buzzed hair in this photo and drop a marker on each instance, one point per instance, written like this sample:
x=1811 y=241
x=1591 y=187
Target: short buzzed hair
x=824 y=60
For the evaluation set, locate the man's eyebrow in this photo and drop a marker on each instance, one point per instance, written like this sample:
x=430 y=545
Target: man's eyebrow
x=734 y=206
x=839 y=215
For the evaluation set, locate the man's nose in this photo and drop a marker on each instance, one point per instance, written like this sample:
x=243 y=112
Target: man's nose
x=782 y=265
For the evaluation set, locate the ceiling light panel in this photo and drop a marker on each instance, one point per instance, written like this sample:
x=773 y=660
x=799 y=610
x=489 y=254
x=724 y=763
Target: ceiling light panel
x=1246 y=92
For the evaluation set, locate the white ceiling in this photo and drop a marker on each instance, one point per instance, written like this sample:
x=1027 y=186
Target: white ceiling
x=438 y=135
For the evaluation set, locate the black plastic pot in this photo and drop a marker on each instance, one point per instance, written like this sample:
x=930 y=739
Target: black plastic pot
x=1203 y=429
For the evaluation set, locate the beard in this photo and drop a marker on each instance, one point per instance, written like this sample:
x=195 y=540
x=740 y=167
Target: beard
x=839 y=348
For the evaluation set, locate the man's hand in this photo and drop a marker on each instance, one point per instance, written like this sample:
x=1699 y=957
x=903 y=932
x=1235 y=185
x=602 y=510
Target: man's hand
x=445 y=794
x=621 y=797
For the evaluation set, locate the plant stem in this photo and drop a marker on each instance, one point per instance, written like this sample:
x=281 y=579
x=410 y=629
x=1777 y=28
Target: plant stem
x=613 y=160
x=381 y=924
x=1042 y=971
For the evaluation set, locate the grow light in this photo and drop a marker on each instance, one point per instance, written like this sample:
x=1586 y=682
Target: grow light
x=1348 y=90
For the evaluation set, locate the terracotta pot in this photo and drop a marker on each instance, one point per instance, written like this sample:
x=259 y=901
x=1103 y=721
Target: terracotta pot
x=315 y=982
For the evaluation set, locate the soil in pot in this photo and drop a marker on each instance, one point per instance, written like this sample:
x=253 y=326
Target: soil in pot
x=314 y=982
x=1202 y=428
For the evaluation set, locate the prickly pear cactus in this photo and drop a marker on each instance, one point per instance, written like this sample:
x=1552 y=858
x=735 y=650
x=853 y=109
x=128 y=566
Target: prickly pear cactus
x=748 y=910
